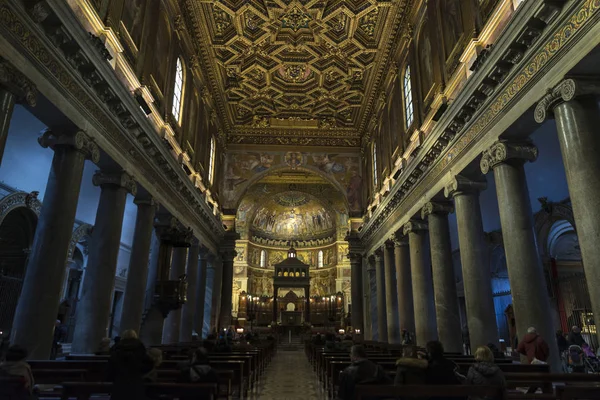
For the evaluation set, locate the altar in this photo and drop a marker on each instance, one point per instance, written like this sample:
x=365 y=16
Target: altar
x=291 y=318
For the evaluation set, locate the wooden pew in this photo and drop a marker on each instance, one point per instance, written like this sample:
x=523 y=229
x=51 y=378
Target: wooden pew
x=577 y=392
x=546 y=381
x=84 y=390
x=422 y=391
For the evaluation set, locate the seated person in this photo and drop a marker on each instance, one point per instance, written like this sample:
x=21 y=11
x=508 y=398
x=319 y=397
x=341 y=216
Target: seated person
x=440 y=370
x=198 y=369
x=361 y=372
x=104 y=347
x=411 y=370
x=15 y=365
x=156 y=357
x=484 y=372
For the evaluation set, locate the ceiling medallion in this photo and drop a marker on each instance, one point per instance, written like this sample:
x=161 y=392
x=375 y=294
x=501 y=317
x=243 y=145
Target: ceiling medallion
x=222 y=20
x=295 y=73
x=260 y=122
x=369 y=21
x=295 y=19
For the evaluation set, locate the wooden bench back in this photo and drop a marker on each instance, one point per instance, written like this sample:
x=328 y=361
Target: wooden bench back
x=426 y=391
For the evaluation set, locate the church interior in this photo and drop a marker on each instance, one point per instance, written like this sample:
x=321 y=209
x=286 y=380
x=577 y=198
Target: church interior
x=307 y=184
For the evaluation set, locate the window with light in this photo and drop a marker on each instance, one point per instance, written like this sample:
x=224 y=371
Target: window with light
x=178 y=91
x=263 y=258
x=211 y=161
x=375 y=181
x=408 y=102
x=320 y=259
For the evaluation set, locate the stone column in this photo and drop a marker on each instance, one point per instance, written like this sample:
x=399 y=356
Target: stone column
x=525 y=270
x=404 y=289
x=477 y=282
x=227 y=255
x=391 y=294
x=444 y=281
x=217 y=268
x=189 y=308
x=381 y=310
x=275 y=310
x=368 y=320
x=420 y=271
x=135 y=291
x=577 y=121
x=33 y=325
x=201 y=290
x=355 y=254
x=93 y=310
x=173 y=321
x=14 y=87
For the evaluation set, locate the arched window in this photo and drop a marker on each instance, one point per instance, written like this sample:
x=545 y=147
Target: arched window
x=320 y=259
x=178 y=91
x=211 y=160
x=263 y=258
x=408 y=102
x=374 y=155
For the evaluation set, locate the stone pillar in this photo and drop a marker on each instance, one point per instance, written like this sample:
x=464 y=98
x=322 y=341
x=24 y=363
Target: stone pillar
x=307 y=309
x=217 y=268
x=36 y=312
x=275 y=310
x=404 y=289
x=93 y=310
x=14 y=87
x=477 y=281
x=444 y=281
x=381 y=310
x=391 y=294
x=135 y=291
x=173 y=321
x=189 y=308
x=355 y=254
x=420 y=271
x=368 y=320
x=201 y=290
x=525 y=270
x=227 y=255
x=577 y=121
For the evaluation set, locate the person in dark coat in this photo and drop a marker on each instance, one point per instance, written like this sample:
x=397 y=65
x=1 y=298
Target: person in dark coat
x=575 y=337
x=128 y=364
x=561 y=341
x=360 y=372
x=533 y=346
x=440 y=370
x=199 y=370
x=484 y=372
x=410 y=370
x=15 y=365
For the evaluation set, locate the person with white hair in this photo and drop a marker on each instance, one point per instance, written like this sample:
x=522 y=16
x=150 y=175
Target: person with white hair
x=534 y=347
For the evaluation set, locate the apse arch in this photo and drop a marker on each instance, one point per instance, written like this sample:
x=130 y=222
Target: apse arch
x=546 y=220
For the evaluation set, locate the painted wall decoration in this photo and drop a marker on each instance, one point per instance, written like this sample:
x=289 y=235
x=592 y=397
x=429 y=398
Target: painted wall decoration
x=322 y=283
x=242 y=166
x=309 y=257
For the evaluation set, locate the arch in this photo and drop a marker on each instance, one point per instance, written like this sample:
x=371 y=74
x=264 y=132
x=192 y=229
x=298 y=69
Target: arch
x=545 y=219
x=79 y=233
x=20 y=199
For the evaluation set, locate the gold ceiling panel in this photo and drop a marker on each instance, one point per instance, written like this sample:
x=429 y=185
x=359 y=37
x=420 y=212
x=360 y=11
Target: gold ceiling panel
x=302 y=66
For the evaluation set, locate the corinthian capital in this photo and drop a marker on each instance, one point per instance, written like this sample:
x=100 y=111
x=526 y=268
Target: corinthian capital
x=414 y=226
x=79 y=141
x=121 y=179
x=147 y=201
x=566 y=90
x=16 y=83
x=434 y=207
x=501 y=152
x=461 y=184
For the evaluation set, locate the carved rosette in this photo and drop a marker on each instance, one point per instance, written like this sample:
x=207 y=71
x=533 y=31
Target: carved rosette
x=502 y=152
x=434 y=207
x=414 y=226
x=461 y=184
x=120 y=179
x=17 y=83
x=79 y=141
x=565 y=91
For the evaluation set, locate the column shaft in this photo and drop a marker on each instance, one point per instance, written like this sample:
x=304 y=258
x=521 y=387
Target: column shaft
x=201 y=292
x=424 y=303
x=135 y=291
x=404 y=290
x=381 y=310
x=94 y=308
x=189 y=308
x=577 y=122
x=216 y=297
x=477 y=282
x=391 y=295
x=226 y=292
x=7 y=104
x=444 y=283
x=356 y=291
x=372 y=305
x=173 y=321
x=37 y=308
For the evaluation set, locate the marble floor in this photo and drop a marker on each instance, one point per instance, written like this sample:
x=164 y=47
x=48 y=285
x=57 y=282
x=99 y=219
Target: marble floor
x=290 y=377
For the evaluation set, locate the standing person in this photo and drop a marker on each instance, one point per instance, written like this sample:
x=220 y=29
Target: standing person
x=484 y=372
x=361 y=371
x=534 y=347
x=128 y=364
x=561 y=341
x=466 y=339
x=575 y=337
x=59 y=337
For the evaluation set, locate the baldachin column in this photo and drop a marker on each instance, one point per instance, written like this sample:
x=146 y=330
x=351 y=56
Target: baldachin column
x=35 y=316
x=420 y=269
x=575 y=107
x=525 y=270
x=391 y=295
x=477 y=280
x=406 y=308
x=135 y=290
x=381 y=311
x=444 y=281
x=189 y=308
x=94 y=307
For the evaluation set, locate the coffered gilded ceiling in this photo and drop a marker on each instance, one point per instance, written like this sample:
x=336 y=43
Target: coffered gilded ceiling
x=284 y=68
